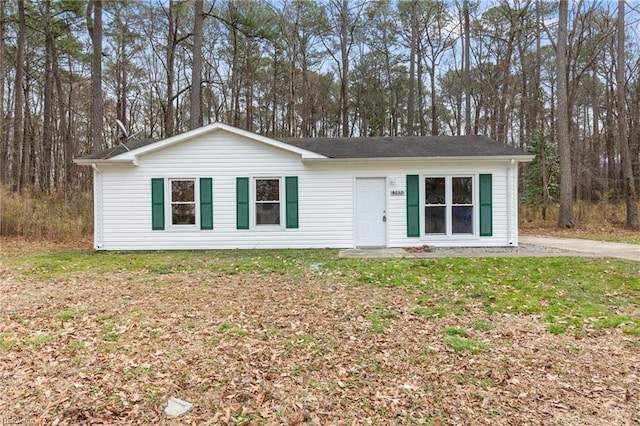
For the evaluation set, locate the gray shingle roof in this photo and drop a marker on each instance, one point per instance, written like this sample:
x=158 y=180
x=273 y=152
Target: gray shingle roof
x=405 y=147
x=105 y=154
x=371 y=147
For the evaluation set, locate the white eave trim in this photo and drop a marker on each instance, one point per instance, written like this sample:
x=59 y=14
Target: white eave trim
x=114 y=160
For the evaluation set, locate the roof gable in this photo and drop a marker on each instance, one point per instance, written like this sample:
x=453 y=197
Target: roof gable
x=129 y=153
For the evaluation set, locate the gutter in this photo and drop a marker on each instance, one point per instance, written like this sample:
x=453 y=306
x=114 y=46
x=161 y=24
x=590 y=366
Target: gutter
x=519 y=158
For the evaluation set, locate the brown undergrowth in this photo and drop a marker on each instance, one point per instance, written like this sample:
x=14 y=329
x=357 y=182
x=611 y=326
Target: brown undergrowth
x=601 y=221
x=38 y=216
x=268 y=348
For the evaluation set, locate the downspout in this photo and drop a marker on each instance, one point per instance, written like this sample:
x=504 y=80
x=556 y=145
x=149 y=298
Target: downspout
x=97 y=207
x=509 y=202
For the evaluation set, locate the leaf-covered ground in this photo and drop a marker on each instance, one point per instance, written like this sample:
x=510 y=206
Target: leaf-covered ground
x=308 y=339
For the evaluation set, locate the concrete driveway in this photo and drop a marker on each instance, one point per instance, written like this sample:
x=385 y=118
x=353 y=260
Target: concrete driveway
x=586 y=247
x=529 y=246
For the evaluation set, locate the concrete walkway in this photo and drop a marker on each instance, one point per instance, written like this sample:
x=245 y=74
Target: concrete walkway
x=586 y=247
x=550 y=246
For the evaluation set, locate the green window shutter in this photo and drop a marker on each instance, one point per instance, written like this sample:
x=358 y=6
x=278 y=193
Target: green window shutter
x=242 y=203
x=157 y=204
x=206 y=203
x=291 y=190
x=486 y=206
x=413 y=206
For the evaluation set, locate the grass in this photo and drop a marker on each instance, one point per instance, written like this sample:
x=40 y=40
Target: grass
x=7 y=341
x=572 y=290
x=453 y=331
x=567 y=292
x=461 y=344
x=39 y=340
x=380 y=319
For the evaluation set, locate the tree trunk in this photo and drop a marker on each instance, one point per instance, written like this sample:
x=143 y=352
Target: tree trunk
x=18 y=134
x=248 y=90
x=467 y=76
x=169 y=110
x=43 y=155
x=67 y=147
x=235 y=80
x=196 y=69
x=121 y=70
x=435 y=131
x=625 y=156
x=4 y=143
x=94 y=25
x=422 y=126
x=344 y=51
x=565 y=218
x=411 y=100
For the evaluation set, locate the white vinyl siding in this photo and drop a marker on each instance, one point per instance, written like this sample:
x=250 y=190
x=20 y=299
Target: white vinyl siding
x=324 y=197
x=326 y=193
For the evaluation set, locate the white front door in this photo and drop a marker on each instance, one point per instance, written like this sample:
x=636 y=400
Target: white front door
x=371 y=220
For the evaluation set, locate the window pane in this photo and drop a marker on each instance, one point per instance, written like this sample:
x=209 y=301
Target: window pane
x=268 y=214
x=183 y=191
x=268 y=190
x=434 y=190
x=462 y=219
x=434 y=218
x=462 y=190
x=183 y=214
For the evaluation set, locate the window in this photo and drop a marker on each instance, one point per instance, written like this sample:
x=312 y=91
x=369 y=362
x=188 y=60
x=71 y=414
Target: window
x=462 y=205
x=267 y=193
x=269 y=203
x=183 y=202
x=435 y=210
x=190 y=203
x=448 y=205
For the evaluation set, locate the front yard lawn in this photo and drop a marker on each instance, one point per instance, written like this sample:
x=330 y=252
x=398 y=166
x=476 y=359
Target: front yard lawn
x=303 y=337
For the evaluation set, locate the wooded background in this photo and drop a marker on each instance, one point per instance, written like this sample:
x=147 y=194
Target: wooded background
x=559 y=79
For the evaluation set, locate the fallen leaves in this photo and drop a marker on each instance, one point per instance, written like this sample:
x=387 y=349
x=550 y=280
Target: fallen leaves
x=252 y=348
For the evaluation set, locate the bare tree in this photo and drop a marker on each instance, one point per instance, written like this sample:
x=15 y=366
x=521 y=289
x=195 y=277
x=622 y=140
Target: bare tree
x=172 y=36
x=435 y=39
x=94 y=26
x=196 y=67
x=18 y=103
x=4 y=146
x=467 y=76
x=565 y=218
x=344 y=55
x=413 y=43
x=625 y=156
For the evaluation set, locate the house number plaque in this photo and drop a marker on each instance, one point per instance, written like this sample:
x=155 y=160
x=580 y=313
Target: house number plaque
x=397 y=193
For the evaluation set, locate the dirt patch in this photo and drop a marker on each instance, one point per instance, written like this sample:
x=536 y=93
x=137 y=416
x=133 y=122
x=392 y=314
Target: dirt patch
x=248 y=348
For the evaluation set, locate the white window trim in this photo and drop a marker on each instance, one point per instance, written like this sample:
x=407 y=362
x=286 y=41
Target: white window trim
x=254 y=202
x=169 y=205
x=449 y=235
